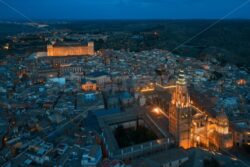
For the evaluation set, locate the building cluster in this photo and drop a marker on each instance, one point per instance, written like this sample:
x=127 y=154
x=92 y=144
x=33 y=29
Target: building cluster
x=62 y=107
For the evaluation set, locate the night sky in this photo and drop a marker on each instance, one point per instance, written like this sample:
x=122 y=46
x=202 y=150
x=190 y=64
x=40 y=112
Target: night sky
x=123 y=9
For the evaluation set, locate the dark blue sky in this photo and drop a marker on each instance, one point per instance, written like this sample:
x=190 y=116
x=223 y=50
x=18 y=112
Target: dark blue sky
x=123 y=9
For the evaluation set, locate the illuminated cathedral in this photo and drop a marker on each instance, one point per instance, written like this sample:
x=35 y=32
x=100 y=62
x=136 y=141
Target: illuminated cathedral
x=193 y=127
x=180 y=113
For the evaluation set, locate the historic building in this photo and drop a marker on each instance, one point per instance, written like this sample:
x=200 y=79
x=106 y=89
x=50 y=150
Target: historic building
x=209 y=131
x=89 y=85
x=180 y=114
x=193 y=127
x=78 y=50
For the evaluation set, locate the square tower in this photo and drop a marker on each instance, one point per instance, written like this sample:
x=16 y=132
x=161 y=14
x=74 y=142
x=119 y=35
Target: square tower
x=91 y=48
x=180 y=113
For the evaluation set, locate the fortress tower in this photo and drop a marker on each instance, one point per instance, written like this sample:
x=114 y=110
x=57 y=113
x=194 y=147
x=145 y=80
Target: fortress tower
x=91 y=48
x=180 y=113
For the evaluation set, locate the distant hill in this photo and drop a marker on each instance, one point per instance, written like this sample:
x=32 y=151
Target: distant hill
x=229 y=39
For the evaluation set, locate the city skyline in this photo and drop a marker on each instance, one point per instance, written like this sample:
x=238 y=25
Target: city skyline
x=125 y=83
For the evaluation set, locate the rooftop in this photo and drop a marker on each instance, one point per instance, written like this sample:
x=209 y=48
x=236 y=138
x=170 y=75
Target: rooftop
x=97 y=74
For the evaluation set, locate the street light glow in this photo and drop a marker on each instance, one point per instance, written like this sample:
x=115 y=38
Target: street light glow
x=156 y=110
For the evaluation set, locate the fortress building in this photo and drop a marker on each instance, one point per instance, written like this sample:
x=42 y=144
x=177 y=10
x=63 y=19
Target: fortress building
x=70 y=50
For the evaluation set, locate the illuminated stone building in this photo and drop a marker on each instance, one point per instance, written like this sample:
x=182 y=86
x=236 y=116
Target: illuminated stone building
x=209 y=131
x=194 y=122
x=88 y=85
x=180 y=113
x=79 y=50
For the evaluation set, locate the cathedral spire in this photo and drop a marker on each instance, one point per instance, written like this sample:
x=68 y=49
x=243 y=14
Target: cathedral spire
x=181 y=78
x=181 y=97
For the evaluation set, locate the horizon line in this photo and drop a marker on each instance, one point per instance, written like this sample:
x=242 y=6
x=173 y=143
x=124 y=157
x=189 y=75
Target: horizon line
x=122 y=19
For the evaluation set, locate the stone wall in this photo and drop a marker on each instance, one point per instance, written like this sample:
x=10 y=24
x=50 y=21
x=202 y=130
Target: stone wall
x=70 y=50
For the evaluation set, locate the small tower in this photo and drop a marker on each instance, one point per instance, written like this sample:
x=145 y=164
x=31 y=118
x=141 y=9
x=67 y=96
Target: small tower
x=50 y=50
x=91 y=48
x=180 y=112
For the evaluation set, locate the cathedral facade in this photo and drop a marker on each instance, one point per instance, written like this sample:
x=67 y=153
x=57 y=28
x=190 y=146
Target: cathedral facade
x=192 y=127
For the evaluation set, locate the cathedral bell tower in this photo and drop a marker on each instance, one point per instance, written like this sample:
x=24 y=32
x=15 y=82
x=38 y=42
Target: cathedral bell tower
x=180 y=114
